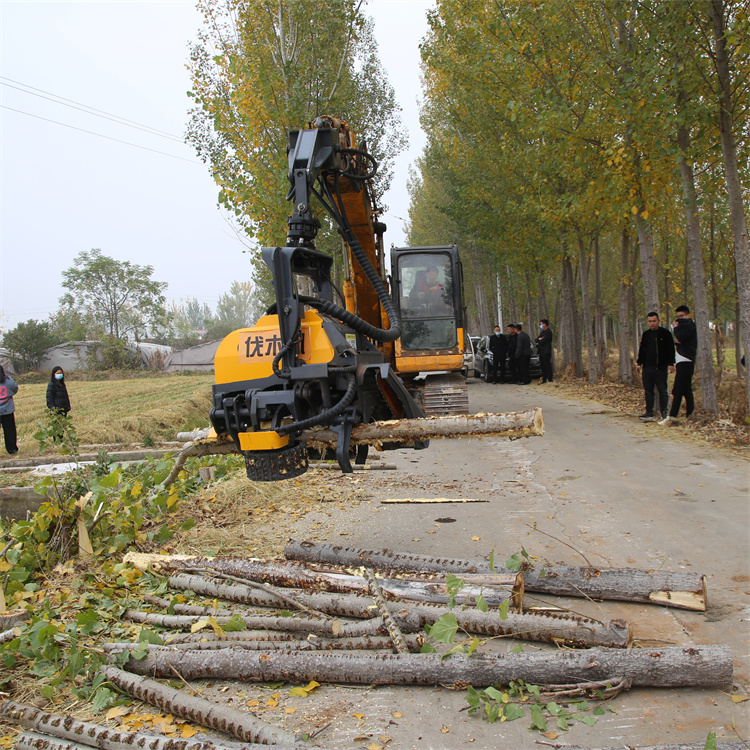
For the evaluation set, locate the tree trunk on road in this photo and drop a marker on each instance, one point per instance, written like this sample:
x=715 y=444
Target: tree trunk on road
x=693 y=666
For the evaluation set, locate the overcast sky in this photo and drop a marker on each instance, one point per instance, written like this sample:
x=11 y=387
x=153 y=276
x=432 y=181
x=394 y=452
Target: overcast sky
x=63 y=190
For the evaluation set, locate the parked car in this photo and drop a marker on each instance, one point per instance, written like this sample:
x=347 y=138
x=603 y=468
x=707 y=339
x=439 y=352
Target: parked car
x=470 y=369
x=483 y=360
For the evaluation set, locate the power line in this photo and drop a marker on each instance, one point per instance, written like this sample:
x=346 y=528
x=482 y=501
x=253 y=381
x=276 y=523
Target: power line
x=84 y=108
x=99 y=135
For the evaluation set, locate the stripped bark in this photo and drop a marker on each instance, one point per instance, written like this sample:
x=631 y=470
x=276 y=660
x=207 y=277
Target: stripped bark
x=34 y=741
x=570 y=630
x=672 y=667
x=399 y=644
x=94 y=735
x=411 y=643
x=494 y=589
x=672 y=589
x=244 y=726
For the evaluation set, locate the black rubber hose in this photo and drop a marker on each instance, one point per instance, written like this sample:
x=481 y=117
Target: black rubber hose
x=328 y=415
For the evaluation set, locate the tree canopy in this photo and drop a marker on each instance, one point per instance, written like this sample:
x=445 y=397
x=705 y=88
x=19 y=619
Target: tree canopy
x=263 y=67
x=118 y=297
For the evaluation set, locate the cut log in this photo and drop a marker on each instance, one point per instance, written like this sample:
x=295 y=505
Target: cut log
x=693 y=666
x=412 y=643
x=513 y=425
x=571 y=630
x=34 y=741
x=673 y=589
x=106 y=738
x=244 y=726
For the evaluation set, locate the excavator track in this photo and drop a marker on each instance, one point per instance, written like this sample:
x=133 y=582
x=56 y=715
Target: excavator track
x=446 y=394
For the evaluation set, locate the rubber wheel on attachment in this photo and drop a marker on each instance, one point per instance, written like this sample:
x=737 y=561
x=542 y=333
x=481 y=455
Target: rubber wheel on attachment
x=273 y=465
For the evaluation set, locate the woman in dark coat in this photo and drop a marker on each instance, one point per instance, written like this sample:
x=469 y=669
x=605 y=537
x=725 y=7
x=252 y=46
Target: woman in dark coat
x=57 y=392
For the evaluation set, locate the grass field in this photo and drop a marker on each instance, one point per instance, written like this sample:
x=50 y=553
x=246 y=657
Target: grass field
x=120 y=411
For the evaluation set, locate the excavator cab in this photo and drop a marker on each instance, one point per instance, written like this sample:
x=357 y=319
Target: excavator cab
x=429 y=356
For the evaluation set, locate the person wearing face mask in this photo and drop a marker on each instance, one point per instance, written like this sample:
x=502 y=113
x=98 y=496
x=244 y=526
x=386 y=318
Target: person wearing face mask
x=499 y=348
x=544 y=348
x=8 y=389
x=57 y=393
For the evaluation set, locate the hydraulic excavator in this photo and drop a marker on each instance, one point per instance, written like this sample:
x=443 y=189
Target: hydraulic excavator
x=312 y=363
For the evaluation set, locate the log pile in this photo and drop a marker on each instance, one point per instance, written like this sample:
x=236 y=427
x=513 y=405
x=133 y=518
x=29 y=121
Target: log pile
x=340 y=615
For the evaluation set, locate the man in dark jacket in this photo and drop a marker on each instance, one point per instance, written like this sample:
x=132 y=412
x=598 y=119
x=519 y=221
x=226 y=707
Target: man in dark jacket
x=523 y=355
x=656 y=360
x=499 y=348
x=512 y=361
x=544 y=349
x=686 y=343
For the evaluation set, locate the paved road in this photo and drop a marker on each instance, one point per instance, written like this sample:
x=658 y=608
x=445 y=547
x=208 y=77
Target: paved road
x=620 y=493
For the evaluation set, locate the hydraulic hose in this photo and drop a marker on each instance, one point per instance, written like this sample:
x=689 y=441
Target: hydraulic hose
x=328 y=415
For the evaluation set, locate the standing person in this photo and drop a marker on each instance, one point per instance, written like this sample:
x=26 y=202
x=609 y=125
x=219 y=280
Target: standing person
x=656 y=359
x=523 y=355
x=544 y=347
x=499 y=349
x=58 y=400
x=8 y=388
x=686 y=344
x=512 y=346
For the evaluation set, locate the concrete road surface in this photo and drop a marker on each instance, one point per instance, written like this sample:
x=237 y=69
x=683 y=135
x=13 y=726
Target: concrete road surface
x=599 y=485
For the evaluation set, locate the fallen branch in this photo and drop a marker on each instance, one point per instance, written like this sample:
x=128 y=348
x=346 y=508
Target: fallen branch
x=399 y=644
x=572 y=630
x=494 y=589
x=332 y=628
x=244 y=726
x=672 y=667
x=411 y=500
x=95 y=735
x=673 y=589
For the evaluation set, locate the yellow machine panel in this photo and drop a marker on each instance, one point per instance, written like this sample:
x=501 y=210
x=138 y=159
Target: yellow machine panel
x=249 y=352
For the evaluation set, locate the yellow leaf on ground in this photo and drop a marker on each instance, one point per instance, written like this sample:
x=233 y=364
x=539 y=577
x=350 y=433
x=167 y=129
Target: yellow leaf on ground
x=396 y=715
x=358 y=716
x=187 y=732
x=475 y=539
x=116 y=711
x=272 y=703
x=551 y=735
x=740 y=698
x=290 y=709
x=196 y=626
x=252 y=704
x=374 y=746
x=444 y=729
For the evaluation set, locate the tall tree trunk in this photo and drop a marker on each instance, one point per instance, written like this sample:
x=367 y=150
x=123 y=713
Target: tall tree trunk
x=513 y=307
x=626 y=367
x=648 y=263
x=583 y=262
x=599 y=317
x=529 y=322
x=499 y=303
x=634 y=302
x=697 y=270
x=570 y=344
x=734 y=188
x=482 y=311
